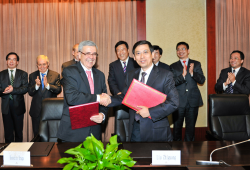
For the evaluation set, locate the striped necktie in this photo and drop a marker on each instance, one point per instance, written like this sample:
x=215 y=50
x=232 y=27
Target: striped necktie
x=125 y=67
x=11 y=82
x=230 y=89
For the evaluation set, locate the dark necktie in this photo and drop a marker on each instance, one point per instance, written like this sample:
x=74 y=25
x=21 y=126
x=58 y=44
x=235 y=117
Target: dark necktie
x=43 y=74
x=230 y=89
x=143 y=74
x=11 y=82
x=125 y=67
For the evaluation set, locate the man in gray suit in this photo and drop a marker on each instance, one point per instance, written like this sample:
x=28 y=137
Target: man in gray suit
x=187 y=73
x=13 y=87
x=82 y=83
x=43 y=83
x=75 y=55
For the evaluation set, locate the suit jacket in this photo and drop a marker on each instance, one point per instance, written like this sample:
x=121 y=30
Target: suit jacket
x=116 y=78
x=163 y=65
x=68 y=63
x=20 y=87
x=242 y=84
x=157 y=128
x=77 y=91
x=53 y=79
x=187 y=88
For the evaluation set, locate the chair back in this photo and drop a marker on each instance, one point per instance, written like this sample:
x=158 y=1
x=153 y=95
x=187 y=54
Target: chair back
x=229 y=116
x=51 y=115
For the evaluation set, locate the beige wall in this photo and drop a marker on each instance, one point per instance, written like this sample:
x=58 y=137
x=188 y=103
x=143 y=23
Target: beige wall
x=171 y=21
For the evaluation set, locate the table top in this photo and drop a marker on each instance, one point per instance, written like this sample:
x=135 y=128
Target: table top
x=237 y=156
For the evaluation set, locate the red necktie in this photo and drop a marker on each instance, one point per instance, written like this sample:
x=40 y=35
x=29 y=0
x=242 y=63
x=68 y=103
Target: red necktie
x=91 y=83
x=184 y=62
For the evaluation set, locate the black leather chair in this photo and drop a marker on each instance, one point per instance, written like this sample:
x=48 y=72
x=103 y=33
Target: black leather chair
x=229 y=117
x=121 y=123
x=52 y=109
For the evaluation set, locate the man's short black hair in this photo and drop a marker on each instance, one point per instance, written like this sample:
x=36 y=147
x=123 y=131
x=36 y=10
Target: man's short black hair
x=12 y=53
x=182 y=43
x=142 y=42
x=240 y=52
x=120 y=43
x=156 y=47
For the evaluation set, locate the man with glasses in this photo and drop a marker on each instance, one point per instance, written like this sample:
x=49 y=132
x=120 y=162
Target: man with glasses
x=187 y=73
x=149 y=124
x=156 y=58
x=234 y=79
x=43 y=83
x=75 y=59
x=13 y=87
x=82 y=83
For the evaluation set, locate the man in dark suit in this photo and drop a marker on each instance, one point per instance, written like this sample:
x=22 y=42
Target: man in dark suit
x=234 y=79
x=75 y=59
x=13 y=86
x=187 y=73
x=119 y=68
x=141 y=127
x=156 y=58
x=82 y=83
x=43 y=83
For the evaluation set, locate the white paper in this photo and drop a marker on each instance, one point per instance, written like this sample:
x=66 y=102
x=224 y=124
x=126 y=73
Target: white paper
x=16 y=158
x=18 y=146
x=166 y=157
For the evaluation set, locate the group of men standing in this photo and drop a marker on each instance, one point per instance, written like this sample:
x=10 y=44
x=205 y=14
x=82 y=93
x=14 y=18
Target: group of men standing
x=83 y=83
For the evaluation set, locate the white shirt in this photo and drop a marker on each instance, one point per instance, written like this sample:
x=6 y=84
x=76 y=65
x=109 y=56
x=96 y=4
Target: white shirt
x=47 y=87
x=235 y=73
x=14 y=73
x=157 y=63
x=125 y=62
x=148 y=71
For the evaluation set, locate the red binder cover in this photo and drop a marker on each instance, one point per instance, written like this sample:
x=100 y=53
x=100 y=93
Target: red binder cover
x=80 y=115
x=140 y=94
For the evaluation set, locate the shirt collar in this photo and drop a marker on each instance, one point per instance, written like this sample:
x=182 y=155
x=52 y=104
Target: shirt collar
x=157 y=63
x=84 y=68
x=125 y=61
x=46 y=72
x=12 y=69
x=236 y=70
x=148 y=70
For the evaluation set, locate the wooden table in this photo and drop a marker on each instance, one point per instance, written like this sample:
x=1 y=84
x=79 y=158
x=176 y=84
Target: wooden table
x=237 y=156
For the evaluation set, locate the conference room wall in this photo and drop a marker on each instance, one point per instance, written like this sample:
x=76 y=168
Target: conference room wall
x=169 y=22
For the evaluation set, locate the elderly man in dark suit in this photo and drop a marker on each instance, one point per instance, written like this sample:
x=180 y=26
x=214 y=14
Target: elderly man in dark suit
x=119 y=68
x=187 y=73
x=75 y=59
x=13 y=86
x=141 y=127
x=157 y=56
x=82 y=83
x=43 y=83
x=234 y=79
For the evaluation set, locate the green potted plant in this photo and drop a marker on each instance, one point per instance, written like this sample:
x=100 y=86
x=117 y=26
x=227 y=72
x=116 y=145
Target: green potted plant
x=94 y=156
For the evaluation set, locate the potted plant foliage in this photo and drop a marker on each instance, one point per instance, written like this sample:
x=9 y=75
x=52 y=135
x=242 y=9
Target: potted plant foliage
x=94 y=156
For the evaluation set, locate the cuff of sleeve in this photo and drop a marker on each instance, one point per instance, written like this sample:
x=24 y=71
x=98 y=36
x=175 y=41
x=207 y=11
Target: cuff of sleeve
x=233 y=82
x=224 y=87
x=98 y=98
x=103 y=116
x=47 y=87
x=37 y=87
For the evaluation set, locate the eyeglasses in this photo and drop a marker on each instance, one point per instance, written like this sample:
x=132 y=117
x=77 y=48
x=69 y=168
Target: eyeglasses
x=89 y=54
x=143 y=52
x=181 y=49
x=12 y=59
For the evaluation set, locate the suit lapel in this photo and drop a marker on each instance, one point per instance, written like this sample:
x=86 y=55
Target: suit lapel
x=17 y=74
x=239 y=74
x=96 y=78
x=49 y=77
x=136 y=75
x=83 y=76
x=153 y=76
x=130 y=64
x=120 y=67
x=7 y=77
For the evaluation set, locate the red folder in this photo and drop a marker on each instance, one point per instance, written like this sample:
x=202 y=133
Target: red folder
x=80 y=115
x=140 y=94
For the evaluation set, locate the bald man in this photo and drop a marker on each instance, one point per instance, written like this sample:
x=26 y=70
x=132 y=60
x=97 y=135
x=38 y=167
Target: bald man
x=43 y=83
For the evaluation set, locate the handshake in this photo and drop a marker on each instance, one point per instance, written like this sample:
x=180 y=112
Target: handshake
x=105 y=99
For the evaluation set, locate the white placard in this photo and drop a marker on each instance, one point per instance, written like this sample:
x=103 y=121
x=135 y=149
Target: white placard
x=166 y=157
x=16 y=158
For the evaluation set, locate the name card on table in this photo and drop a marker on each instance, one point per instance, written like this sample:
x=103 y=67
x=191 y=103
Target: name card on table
x=166 y=157
x=16 y=158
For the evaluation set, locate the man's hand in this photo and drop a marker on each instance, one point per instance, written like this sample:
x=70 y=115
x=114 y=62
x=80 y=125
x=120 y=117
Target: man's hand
x=184 y=71
x=119 y=93
x=227 y=82
x=191 y=68
x=231 y=77
x=45 y=81
x=105 y=99
x=144 y=112
x=97 y=118
x=8 y=89
x=38 y=82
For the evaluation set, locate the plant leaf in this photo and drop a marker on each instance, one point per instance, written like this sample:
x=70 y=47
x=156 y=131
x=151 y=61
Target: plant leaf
x=123 y=154
x=110 y=150
x=113 y=140
x=65 y=160
x=83 y=151
x=100 y=164
x=98 y=147
x=69 y=166
x=128 y=162
x=108 y=164
x=88 y=144
x=72 y=151
x=92 y=165
x=91 y=158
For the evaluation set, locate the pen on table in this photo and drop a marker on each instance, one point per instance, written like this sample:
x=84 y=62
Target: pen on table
x=4 y=146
